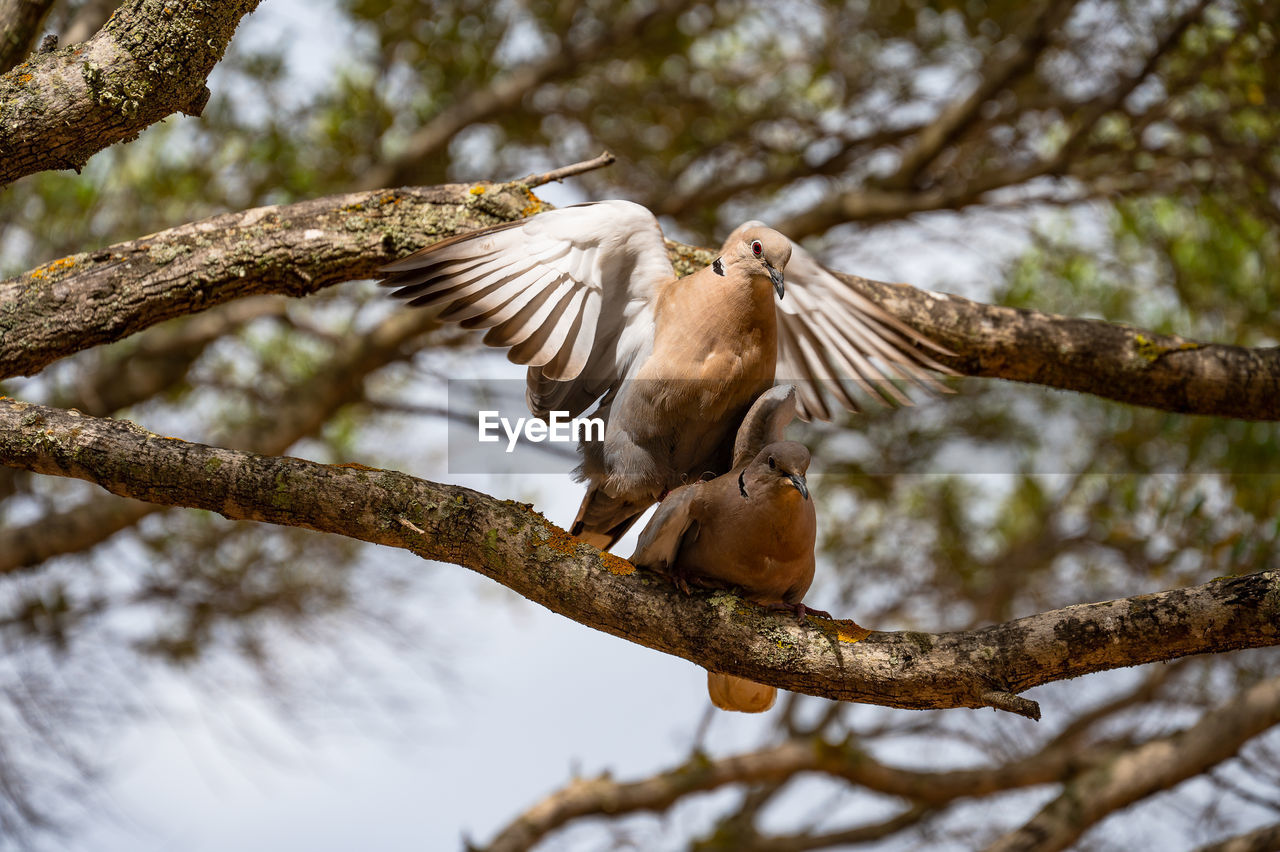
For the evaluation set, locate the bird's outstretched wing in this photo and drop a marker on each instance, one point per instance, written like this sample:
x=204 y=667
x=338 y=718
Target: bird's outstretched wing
x=569 y=292
x=829 y=333
x=765 y=423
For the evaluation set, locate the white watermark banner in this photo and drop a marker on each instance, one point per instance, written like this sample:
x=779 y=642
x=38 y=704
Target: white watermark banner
x=492 y=431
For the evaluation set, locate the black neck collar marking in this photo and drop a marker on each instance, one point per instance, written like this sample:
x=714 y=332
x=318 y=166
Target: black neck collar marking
x=742 y=486
x=717 y=267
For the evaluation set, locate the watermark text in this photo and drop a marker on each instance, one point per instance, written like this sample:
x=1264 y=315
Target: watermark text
x=558 y=427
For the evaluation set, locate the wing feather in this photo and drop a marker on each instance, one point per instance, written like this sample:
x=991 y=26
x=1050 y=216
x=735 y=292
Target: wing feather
x=529 y=319
x=793 y=367
x=569 y=292
x=554 y=331
x=830 y=333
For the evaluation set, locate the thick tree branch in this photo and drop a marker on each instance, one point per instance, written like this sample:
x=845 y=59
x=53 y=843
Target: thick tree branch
x=87 y=299
x=1091 y=356
x=517 y=547
x=98 y=297
x=149 y=61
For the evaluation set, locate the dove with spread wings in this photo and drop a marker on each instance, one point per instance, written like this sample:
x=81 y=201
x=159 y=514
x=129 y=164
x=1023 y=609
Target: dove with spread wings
x=587 y=297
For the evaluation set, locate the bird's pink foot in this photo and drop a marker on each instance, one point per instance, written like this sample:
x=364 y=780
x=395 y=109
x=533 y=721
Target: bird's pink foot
x=679 y=579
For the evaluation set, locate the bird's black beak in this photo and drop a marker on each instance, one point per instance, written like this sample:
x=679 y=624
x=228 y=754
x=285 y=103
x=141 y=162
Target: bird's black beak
x=797 y=479
x=775 y=275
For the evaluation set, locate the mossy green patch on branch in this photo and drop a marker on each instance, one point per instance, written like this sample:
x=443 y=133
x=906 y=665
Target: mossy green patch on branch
x=164 y=254
x=1150 y=351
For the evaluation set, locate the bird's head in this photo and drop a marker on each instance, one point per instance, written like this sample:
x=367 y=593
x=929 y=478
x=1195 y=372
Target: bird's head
x=760 y=251
x=784 y=463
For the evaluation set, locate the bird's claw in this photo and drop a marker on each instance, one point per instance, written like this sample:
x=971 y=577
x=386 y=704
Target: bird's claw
x=678 y=579
x=800 y=610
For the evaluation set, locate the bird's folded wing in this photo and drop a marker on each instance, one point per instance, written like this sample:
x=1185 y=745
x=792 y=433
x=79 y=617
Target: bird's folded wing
x=765 y=423
x=828 y=332
x=569 y=292
x=675 y=517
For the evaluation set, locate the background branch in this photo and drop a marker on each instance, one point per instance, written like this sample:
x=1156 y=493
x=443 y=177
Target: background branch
x=149 y=61
x=1140 y=772
x=301 y=410
x=20 y=22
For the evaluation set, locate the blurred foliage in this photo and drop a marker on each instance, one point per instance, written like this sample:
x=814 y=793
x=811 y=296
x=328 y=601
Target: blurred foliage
x=1145 y=198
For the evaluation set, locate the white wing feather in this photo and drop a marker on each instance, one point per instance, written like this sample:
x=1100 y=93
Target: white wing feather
x=569 y=292
x=829 y=333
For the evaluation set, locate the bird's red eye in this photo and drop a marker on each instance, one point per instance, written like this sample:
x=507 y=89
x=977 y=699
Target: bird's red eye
x=756 y=248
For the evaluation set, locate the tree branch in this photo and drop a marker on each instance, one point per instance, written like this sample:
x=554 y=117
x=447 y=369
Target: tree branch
x=1264 y=839
x=97 y=297
x=857 y=835
x=1105 y=359
x=302 y=410
x=517 y=547
x=149 y=61
x=508 y=90
x=1147 y=769
x=556 y=175
x=20 y=22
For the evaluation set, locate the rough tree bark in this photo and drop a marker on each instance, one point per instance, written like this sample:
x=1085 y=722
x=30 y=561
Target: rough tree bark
x=510 y=543
x=149 y=61
x=97 y=297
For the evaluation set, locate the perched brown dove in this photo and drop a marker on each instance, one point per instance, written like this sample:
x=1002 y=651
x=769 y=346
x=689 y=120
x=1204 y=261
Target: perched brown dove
x=587 y=297
x=751 y=529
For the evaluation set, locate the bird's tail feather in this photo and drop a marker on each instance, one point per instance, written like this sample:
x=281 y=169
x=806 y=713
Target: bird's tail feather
x=737 y=693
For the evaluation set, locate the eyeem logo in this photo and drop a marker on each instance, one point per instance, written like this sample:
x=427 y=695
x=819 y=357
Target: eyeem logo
x=559 y=427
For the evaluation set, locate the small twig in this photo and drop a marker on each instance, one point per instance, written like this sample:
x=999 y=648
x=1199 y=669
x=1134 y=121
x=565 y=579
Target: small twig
x=408 y=523
x=1000 y=700
x=605 y=159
